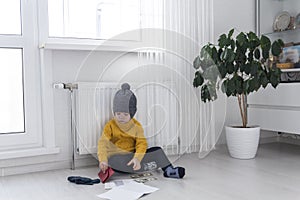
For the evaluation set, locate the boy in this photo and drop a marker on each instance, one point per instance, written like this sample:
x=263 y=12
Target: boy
x=123 y=145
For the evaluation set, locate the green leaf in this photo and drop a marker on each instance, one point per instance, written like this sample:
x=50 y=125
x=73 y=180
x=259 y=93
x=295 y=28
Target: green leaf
x=205 y=95
x=254 y=68
x=253 y=84
x=247 y=69
x=281 y=43
x=257 y=54
x=230 y=68
x=265 y=43
x=224 y=86
x=212 y=91
x=230 y=33
x=197 y=62
x=241 y=39
x=274 y=77
x=198 y=80
x=250 y=56
x=222 y=70
x=232 y=45
x=231 y=87
x=263 y=79
x=252 y=36
x=276 y=48
x=222 y=41
x=211 y=73
x=228 y=55
x=265 y=54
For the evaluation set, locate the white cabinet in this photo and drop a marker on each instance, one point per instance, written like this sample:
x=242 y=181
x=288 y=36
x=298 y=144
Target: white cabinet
x=277 y=109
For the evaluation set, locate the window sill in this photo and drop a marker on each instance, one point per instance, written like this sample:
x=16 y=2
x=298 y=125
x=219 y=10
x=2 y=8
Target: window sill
x=28 y=152
x=90 y=45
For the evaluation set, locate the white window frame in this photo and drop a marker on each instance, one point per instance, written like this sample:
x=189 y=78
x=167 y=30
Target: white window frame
x=35 y=140
x=58 y=43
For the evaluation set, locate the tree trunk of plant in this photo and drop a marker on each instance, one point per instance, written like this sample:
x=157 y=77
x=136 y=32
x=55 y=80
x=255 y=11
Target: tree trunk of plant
x=243 y=108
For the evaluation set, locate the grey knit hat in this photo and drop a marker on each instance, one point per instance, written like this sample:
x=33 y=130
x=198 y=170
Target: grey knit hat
x=125 y=100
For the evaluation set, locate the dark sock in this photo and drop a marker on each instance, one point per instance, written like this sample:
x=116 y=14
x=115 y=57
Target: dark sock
x=83 y=180
x=174 y=172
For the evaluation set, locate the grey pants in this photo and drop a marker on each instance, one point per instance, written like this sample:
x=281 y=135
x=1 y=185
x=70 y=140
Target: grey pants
x=154 y=158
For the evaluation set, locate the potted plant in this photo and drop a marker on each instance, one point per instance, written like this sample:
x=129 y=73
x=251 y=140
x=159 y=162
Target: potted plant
x=238 y=66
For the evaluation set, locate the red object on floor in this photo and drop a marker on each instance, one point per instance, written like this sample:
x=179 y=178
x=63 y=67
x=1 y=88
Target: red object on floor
x=105 y=176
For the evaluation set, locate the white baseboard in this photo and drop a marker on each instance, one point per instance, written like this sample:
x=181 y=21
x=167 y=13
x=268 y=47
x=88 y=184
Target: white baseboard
x=268 y=140
x=290 y=139
x=39 y=167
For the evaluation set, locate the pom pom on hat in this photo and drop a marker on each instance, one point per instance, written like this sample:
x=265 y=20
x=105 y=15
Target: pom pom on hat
x=125 y=100
x=125 y=86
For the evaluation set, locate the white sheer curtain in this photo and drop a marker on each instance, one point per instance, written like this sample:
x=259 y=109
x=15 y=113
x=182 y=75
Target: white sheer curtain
x=175 y=30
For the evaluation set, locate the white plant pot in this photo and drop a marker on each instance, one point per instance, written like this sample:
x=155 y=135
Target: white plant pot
x=242 y=143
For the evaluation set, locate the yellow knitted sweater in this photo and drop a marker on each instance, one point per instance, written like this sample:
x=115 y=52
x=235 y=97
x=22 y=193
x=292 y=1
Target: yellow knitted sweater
x=120 y=138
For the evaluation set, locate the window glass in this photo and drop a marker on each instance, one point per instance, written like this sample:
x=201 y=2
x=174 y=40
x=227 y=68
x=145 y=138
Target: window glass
x=10 y=21
x=101 y=19
x=11 y=89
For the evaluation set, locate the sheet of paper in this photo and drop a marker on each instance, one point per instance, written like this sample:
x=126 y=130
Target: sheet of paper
x=118 y=193
x=138 y=187
x=111 y=184
x=128 y=190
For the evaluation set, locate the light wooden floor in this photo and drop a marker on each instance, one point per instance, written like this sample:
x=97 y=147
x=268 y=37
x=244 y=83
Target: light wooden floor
x=274 y=174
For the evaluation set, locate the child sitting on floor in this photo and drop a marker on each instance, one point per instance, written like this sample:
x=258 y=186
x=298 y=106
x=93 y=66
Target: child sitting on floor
x=123 y=146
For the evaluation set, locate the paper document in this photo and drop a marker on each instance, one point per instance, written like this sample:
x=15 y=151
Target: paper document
x=111 y=184
x=128 y=191
x=118 y=193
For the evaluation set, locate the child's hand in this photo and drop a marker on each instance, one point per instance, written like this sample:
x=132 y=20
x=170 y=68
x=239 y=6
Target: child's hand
x=103 y=166
x=136 y=164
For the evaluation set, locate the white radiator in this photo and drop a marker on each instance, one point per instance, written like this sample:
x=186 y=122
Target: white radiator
x=157 y=110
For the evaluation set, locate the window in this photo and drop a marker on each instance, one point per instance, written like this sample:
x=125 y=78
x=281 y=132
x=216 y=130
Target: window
x=11 y=78
x=98 y=19
x=20 y=102
x=11 y=87
x=10 y=10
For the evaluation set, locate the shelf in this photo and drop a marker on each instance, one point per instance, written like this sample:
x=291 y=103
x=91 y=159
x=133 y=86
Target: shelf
x=280 y=33
x=290 y=70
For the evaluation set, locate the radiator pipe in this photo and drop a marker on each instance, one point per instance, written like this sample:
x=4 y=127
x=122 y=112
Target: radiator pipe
x=71 y=87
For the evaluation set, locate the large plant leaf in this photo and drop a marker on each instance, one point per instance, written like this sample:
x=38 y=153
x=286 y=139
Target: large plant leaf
x=228 y=55
x=198 y=80
x=230 y=68
x=276 y=48
x=263 y=79
x=223 y=41
x=265 y=43
x=197 y=62
x=274 y=77
x=222 y=70
x=241 y=39
x=211 y=74
x=265 y=54
x=254 y=68
x=205 y=94
x=257 y=54
x=230 y=33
